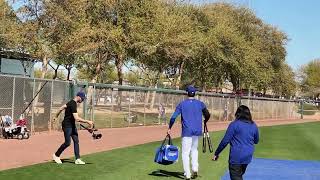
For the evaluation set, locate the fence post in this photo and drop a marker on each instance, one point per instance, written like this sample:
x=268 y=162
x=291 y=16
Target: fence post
x=259 y=113
x=112 y=108
x=144 y=109
x=289 y=110
x=275 y=109
x=263 y=110
x=134 y=98
x=271 y=109
x=32 y=119
x=13 y=93
x=85 y=112
x=159 y=116
x=172 y=103
x=93 y=102
x=220 y=107
x=238 y=98
x=71 y=90
x=130 y=117
x=212 y=108
x=301 y=109
x=51 y=99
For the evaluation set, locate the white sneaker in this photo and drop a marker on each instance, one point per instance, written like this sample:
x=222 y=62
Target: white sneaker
x=56 y=159
x=79 y=161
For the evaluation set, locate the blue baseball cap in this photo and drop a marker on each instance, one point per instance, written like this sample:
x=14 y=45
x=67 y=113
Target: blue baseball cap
x=191 y=89
x=82 y=95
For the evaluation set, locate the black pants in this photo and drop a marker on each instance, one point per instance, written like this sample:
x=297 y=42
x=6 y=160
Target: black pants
x=237 y=170
x=68 y=134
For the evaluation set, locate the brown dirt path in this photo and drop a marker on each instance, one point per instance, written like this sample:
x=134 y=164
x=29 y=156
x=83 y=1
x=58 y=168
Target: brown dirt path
x=40 y=147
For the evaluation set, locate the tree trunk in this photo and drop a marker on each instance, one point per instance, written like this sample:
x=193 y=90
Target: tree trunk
x=90 y=94
x=235 y=83
x=203 y=83
x=146 y=100
x=204 y=87
x=98 y=94
x=24 y=68
x=44 y=67
x=90 y=97
x=24 y=81
x=56 y=72
x=36 y=100
x=119 y=64
x=218 y=89
x=68 y=67
x=178 y=81
x=154 y=92
x=43 y=74
x=232 y=110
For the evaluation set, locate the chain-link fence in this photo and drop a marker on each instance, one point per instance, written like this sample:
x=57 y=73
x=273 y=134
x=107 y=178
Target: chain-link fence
x=17 y=100
x=124 y=106
x=111 y=106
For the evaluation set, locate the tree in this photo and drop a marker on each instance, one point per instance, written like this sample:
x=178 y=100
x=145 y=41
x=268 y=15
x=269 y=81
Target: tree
x=245 y=50
x=30 y=35
x=221 y=50
x=310 y=80
x=133 y=78
x=161 y=38
x=202 y=45
x=62 y=22
x=8 y=21
x=283 y=82
x=108 y=75
x=49 y=75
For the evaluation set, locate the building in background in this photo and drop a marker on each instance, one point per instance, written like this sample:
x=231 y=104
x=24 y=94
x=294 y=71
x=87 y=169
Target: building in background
x=16 y=63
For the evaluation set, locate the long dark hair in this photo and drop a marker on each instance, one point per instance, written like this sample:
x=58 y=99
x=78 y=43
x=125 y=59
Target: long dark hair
x=243 y=113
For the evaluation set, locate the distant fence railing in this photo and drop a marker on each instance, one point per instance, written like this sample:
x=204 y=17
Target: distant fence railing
x=125 y=106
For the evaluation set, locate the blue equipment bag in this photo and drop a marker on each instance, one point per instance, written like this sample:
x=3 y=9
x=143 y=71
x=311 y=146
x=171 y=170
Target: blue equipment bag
x=167 y=153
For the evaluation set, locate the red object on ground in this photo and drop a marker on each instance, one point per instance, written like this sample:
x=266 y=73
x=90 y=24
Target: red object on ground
x=21 y=122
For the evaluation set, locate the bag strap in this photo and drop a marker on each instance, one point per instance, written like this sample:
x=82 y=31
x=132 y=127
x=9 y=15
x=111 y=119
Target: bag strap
x=165 y=139
x=170 y=140
x=205 y=128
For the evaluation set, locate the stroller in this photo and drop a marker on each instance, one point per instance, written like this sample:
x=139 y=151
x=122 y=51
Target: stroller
x=11 y=130
x=19 y=129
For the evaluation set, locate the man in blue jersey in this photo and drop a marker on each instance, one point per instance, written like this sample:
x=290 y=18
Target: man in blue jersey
x=191 y=111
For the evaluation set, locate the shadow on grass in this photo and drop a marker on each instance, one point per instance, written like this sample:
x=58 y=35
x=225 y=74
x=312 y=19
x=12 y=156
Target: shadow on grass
x=163 y=173
x=69 y=161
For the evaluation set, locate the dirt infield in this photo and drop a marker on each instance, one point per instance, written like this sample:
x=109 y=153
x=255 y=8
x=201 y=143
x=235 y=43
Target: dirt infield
x=39 y=148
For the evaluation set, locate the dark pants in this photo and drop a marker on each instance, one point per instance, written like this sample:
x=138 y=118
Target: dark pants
x=68 y=134
x=237 y=170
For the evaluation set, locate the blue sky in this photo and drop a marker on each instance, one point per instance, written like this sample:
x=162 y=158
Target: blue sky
x=299 y=19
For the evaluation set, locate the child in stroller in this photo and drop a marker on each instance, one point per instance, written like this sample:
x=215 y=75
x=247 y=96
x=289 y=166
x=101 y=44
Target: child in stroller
x=11 y=130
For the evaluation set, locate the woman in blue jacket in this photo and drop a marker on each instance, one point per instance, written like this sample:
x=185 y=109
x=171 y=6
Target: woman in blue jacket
x=241 y=134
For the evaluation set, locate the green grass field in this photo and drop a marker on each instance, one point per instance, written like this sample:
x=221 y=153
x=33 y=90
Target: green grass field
x=309 y=109
x=279 y=142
